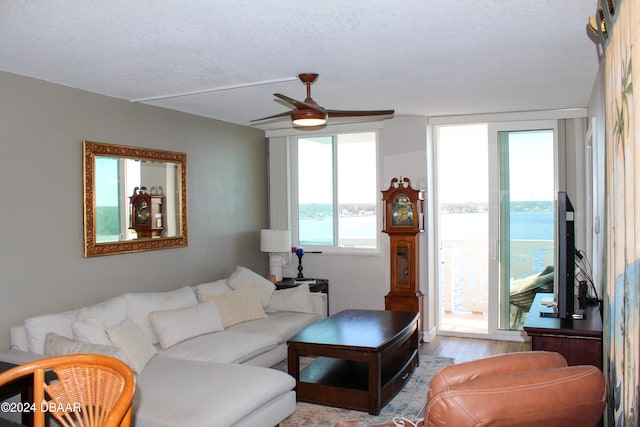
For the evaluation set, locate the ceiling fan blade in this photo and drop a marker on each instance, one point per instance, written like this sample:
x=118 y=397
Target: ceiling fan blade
x=299 y=104
x=294 y=102
x=286 y=113
x=359 y=113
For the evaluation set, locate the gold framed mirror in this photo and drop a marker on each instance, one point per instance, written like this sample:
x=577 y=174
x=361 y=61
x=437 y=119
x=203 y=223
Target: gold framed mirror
x=135 y=199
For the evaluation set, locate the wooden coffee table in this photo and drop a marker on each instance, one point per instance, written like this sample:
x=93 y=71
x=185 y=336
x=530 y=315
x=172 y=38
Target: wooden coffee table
x=362 y=358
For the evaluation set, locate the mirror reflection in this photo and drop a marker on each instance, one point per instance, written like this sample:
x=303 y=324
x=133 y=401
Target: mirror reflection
x=120 y=209
x=135 y=199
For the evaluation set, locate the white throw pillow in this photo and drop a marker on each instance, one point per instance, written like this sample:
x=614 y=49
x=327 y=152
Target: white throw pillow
x=37 y=328
x=90 y=331
x=134 y=342
x=110 y=312
x=57 y=345
x=238 y=306
x=296 y=299
x=211 y=288
x=174 y=326
x=141 y=305
x=245 y=278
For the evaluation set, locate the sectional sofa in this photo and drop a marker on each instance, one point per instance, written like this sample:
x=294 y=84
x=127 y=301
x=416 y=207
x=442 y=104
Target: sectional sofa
x=202 y=353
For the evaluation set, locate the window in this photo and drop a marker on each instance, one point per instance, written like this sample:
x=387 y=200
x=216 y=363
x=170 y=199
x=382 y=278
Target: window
x=115 y=181
x=107 y=214
x=337 y=191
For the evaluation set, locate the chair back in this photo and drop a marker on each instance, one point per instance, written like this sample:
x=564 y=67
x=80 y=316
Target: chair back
x=79 y=390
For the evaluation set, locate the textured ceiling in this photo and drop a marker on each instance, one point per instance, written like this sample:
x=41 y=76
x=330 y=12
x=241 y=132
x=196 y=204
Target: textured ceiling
x=419 y=57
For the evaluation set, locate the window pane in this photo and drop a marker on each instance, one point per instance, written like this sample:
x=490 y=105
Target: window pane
x=357 y=190
x=315 y=191
x=107 y=200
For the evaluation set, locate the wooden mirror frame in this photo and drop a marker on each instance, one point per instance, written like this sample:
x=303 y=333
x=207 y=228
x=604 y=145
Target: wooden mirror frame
x=93 y=149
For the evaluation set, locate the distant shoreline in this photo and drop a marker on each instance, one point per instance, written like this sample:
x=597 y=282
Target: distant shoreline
x=483 y=207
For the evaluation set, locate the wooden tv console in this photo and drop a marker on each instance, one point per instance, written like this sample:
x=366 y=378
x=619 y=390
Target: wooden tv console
x=579 y=341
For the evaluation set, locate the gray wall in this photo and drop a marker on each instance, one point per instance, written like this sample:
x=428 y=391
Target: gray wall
x=42 y=268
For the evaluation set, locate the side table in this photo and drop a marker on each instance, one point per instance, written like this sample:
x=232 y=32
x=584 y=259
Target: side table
x=315 y=285
x=23 y=387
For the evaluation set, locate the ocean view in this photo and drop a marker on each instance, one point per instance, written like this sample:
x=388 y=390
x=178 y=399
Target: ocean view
x=458 y=225
x=474 y=226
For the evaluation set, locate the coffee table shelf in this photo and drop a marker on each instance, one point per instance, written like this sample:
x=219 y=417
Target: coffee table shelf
x=362 y=358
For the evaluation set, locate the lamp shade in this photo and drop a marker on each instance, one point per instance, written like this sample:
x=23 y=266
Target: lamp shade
x=275 y=240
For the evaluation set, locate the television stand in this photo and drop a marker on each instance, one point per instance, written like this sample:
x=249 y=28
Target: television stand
x=578 y=340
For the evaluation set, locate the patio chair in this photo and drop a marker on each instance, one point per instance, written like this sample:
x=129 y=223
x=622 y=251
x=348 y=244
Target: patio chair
x=523 y=291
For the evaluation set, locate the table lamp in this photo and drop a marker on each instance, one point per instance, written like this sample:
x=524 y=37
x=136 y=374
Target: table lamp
x=275 y=242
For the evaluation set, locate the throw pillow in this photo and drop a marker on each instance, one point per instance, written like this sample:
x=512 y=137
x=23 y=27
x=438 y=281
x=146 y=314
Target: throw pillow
x=38 y=327
x=110 y=312
x=57 y=345
x=134 y=342
x=90 y=331
x=238 y=306
x=245 y=278
x=296 y=299
x=174 y=326
x=140 y=305
x=211 y=288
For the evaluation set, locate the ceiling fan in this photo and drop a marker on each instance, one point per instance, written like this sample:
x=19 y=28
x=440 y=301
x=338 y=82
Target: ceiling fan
x=309 y=113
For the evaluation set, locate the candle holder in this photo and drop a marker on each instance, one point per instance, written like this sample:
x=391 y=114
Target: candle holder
x=299 y=253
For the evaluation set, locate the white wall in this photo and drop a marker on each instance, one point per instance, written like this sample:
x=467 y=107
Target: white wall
x=42 y=268
x=597 y=121
x=358 y=281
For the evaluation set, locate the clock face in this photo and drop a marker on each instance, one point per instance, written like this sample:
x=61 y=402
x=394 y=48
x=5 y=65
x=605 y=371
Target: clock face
x=402 y=211
x=142 y=212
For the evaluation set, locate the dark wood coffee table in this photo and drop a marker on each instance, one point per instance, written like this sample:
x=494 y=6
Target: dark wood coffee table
x=362 y=358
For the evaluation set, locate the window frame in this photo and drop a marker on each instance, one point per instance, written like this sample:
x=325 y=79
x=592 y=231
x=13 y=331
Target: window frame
x=293 y=167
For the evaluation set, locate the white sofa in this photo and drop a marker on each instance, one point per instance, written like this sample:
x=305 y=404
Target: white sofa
x=201 y=353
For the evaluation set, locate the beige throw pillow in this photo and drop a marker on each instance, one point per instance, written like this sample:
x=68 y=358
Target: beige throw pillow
x=134 y=342
x=238 y=306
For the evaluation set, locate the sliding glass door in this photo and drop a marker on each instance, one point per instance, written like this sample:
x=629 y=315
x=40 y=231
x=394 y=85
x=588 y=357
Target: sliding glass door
x=526 y=220
x=495 y=223
x=463 y=228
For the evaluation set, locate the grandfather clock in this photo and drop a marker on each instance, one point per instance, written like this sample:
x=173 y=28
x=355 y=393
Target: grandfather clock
x=403 y=222
x=146 y=213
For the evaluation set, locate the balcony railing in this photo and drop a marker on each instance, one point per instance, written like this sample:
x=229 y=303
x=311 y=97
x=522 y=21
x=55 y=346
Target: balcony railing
x=465 y=270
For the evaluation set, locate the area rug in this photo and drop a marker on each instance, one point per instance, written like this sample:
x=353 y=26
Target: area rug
x=408 y=403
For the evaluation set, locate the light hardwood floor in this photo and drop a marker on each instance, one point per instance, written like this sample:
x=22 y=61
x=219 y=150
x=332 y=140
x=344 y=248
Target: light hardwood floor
x=465 y=349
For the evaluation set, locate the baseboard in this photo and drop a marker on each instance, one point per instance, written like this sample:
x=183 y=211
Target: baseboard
x=429 y=335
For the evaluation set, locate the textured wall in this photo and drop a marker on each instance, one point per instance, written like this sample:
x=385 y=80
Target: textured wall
x=42 y=268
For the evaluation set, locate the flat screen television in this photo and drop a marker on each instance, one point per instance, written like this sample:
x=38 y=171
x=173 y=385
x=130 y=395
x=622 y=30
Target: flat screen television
x=565 y=257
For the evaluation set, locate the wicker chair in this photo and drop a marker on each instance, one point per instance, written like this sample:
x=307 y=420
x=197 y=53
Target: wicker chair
x=83 y=389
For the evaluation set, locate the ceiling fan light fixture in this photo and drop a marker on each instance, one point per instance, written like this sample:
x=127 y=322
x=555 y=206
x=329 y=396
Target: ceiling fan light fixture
x=307 y=117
